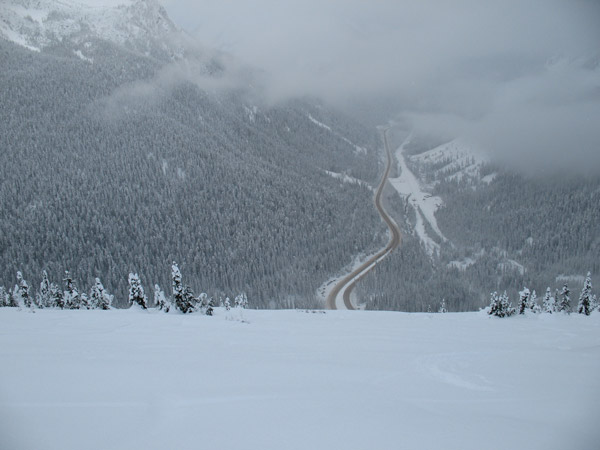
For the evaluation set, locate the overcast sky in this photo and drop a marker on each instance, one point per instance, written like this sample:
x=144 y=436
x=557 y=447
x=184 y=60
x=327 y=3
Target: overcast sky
x=516 y=77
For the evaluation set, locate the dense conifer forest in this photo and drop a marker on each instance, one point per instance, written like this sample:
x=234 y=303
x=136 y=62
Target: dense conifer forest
x=102 y=177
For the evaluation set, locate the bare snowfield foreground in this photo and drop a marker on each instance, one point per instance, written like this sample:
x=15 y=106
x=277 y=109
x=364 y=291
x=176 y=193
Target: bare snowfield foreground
x=295 y=380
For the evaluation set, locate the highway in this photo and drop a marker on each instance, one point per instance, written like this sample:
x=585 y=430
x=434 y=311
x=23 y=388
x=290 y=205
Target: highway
x=347 y=284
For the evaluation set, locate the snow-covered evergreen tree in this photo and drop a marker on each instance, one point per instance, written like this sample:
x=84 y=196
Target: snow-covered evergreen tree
x=43 y=295
x=210 y=307
x=190 y=299
x=524 y=300
x=180 y=293
x=241 y=301
x=84 y=301
x=15 y=297
x=202 y=302
x=443 y=306
x=585 y=298
x=21 y=293
x=533 y=303
x=548 y=302
x=71 y=296
x=136 y=292
x=99 y=298
x=495 y=308
x=507 y=305
x=57 y=299
x=500 y=305
x=564 y=304
x=227 y=304
x=4 y=297
x=160 y=300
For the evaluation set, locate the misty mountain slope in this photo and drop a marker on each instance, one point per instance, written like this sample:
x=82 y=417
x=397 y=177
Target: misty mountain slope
x=123 y=164
x=505 y=230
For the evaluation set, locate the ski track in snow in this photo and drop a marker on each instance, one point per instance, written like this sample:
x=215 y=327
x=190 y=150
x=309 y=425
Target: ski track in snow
x=129 y=380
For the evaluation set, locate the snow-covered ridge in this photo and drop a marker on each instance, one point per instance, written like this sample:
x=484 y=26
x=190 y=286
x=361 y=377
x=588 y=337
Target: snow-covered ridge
x=36 y=24
x=454 y=160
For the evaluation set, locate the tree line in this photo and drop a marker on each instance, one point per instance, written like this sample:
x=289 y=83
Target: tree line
x=51 y=295
x=559 y=302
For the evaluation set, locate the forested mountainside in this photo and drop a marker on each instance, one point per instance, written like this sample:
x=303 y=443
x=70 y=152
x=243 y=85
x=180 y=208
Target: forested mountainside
x=112 y=162
x=504 y=231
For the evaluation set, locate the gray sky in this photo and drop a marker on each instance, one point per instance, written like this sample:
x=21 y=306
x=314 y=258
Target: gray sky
x=519 y=78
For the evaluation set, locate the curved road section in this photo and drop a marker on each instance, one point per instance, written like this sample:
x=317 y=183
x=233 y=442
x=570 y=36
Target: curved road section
x=344 y=287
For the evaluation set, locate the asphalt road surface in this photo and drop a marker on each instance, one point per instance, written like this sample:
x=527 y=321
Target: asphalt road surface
x=346 y=285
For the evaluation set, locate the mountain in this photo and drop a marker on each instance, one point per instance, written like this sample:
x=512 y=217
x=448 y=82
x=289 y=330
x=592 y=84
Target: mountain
x=126 y=146
x=474 y=226
x=141 y=25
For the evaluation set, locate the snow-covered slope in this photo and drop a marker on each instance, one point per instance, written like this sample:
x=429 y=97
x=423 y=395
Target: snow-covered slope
x=418 y=174
x=140 y=25
x=454 y=160
x=424 y=204
x=357 y=148
x=130 y=380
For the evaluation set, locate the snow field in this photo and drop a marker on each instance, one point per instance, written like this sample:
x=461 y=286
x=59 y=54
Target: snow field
x=424 y=204
x=294 y=380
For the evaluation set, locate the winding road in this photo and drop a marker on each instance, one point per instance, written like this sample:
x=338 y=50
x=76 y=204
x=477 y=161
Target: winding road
x=346 y=285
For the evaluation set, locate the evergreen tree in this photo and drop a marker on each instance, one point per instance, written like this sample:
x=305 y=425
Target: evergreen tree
x=443 y=306
x=99 y=298
x=500 y=305
x=71 y=296
x=495 y=308
x=507 y=305
x=190 y=300
x=4 y=297
x=585 y=298
x=21 y=292
x=43 y=296
x=227 y=304
x=210 y=307
x=203 y=302
x=136 y=292
x=84 y=302
x=15 y=297
x=524 y=300
x=556 y=299
x=564 y=305
x=57 y=299
x=533 y=304
x=160 y=300
x=180 y=294
x=241 y=301
x=548 y=302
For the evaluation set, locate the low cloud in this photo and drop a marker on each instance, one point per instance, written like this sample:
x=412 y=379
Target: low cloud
x=520 y=79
